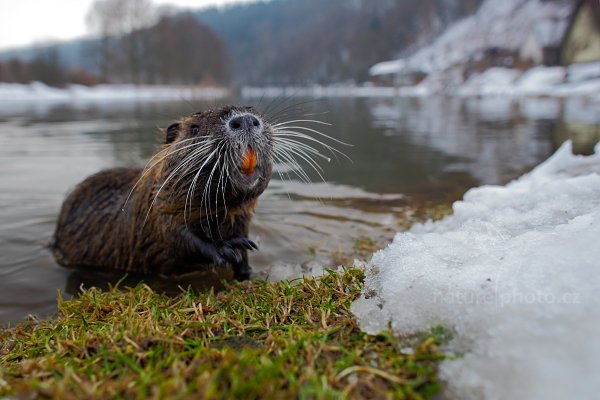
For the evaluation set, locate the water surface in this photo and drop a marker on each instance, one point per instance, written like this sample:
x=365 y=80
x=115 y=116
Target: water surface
x=405 y=151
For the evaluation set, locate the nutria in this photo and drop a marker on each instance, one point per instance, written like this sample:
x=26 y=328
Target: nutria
x=190 y=207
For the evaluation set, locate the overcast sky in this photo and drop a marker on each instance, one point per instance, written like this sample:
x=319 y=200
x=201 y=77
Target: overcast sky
x=24 y=22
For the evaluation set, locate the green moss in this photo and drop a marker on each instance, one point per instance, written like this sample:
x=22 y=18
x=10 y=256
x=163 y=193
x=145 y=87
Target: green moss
x=293 y=339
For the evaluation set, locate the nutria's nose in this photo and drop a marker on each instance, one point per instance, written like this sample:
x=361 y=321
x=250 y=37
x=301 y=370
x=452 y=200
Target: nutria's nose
x=243 y=123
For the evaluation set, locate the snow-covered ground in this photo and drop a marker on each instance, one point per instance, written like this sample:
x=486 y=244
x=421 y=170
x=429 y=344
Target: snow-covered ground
x=514 y=272
x=38 y=92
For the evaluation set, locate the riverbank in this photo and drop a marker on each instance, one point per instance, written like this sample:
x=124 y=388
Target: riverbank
x=39 y=92
x=293 y=339
x=578 y=81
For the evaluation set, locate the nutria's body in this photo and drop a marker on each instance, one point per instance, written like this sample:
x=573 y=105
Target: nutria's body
x=190 y=208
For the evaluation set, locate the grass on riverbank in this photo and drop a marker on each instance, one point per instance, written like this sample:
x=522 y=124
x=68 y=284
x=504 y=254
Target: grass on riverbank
x=256 y=339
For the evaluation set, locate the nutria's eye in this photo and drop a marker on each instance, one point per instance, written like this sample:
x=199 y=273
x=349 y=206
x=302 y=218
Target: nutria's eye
x=172 y=132
x=195 y=129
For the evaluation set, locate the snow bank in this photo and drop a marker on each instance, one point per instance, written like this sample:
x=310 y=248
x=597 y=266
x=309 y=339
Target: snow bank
x=38 y=92
x=579 y=80
x=515 y=272
x=318 y=91
x=496 y=81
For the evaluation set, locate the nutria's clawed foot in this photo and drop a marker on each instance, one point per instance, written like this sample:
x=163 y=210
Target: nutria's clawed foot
x=232 y=250
x=225 y=252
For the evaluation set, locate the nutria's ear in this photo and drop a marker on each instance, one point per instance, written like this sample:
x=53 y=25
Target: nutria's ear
x=172 y=132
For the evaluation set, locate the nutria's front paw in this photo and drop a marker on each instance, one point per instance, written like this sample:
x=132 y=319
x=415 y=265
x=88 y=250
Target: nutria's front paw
x=229 y=253
x=242 y=243
x=232 y=249
x=217 y=254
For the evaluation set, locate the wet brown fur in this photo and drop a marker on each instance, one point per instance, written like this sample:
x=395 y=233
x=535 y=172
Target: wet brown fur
x=99 y=227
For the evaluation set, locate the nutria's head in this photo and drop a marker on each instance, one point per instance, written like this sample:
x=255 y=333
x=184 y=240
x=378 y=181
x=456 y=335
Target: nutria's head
x=217 y=158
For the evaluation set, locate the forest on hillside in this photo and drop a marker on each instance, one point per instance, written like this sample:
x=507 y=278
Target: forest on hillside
x=272 y=42
x=315 y=41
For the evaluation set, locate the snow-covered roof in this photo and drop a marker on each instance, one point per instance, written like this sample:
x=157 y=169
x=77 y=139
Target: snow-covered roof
x=387 y=68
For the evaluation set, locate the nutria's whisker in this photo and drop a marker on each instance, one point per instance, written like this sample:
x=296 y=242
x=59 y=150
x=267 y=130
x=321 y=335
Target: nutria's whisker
x=221 y=183
x=287 y=141
x=188 y=165
x=192 y=187
x=169 y=150
x=301 y=120
x=293 y=134
x=206 y=192
x=298 y=170
x=295 y=109
x=304 y=156
x=173 y=173
x=147 y=169
x=302 y=146
x=226 y=174
x=204 y=199
x=295 y=168
x=287 y=127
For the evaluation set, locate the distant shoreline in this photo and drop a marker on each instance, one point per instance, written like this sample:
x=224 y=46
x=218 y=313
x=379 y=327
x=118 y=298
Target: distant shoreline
x=495 y=82
x=39 y=92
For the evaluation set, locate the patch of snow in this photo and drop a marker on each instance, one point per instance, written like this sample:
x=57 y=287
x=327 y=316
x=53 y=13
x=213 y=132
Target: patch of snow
x=39 y=92
x=318 y=91
x=538 y=81
x=582 y=111
x=514 y=272
x=583 y=71
x=387 y=67
x=536 y=108
x=492 y=81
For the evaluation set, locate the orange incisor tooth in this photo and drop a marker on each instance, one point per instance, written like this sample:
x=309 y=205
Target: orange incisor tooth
x=249 y=161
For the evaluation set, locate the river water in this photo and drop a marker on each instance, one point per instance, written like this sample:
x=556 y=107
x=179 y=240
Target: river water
x=405 y=152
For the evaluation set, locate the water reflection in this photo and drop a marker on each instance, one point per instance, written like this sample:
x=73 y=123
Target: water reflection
x=405 y=151
x=487 y=139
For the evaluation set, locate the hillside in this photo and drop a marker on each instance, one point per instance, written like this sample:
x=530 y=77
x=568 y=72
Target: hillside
x=305 y=41
x=312 y=41
x=503 y=25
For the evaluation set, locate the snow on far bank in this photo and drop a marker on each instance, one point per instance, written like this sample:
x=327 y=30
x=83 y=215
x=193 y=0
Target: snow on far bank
x=332 y=91
x=514 y=272
x=502 y=24
x=577 y=80
x=36 y=92
x=581 y=80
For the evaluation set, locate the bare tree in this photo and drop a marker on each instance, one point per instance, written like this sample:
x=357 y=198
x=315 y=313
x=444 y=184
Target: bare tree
x=119 y=24
x=184 y=51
